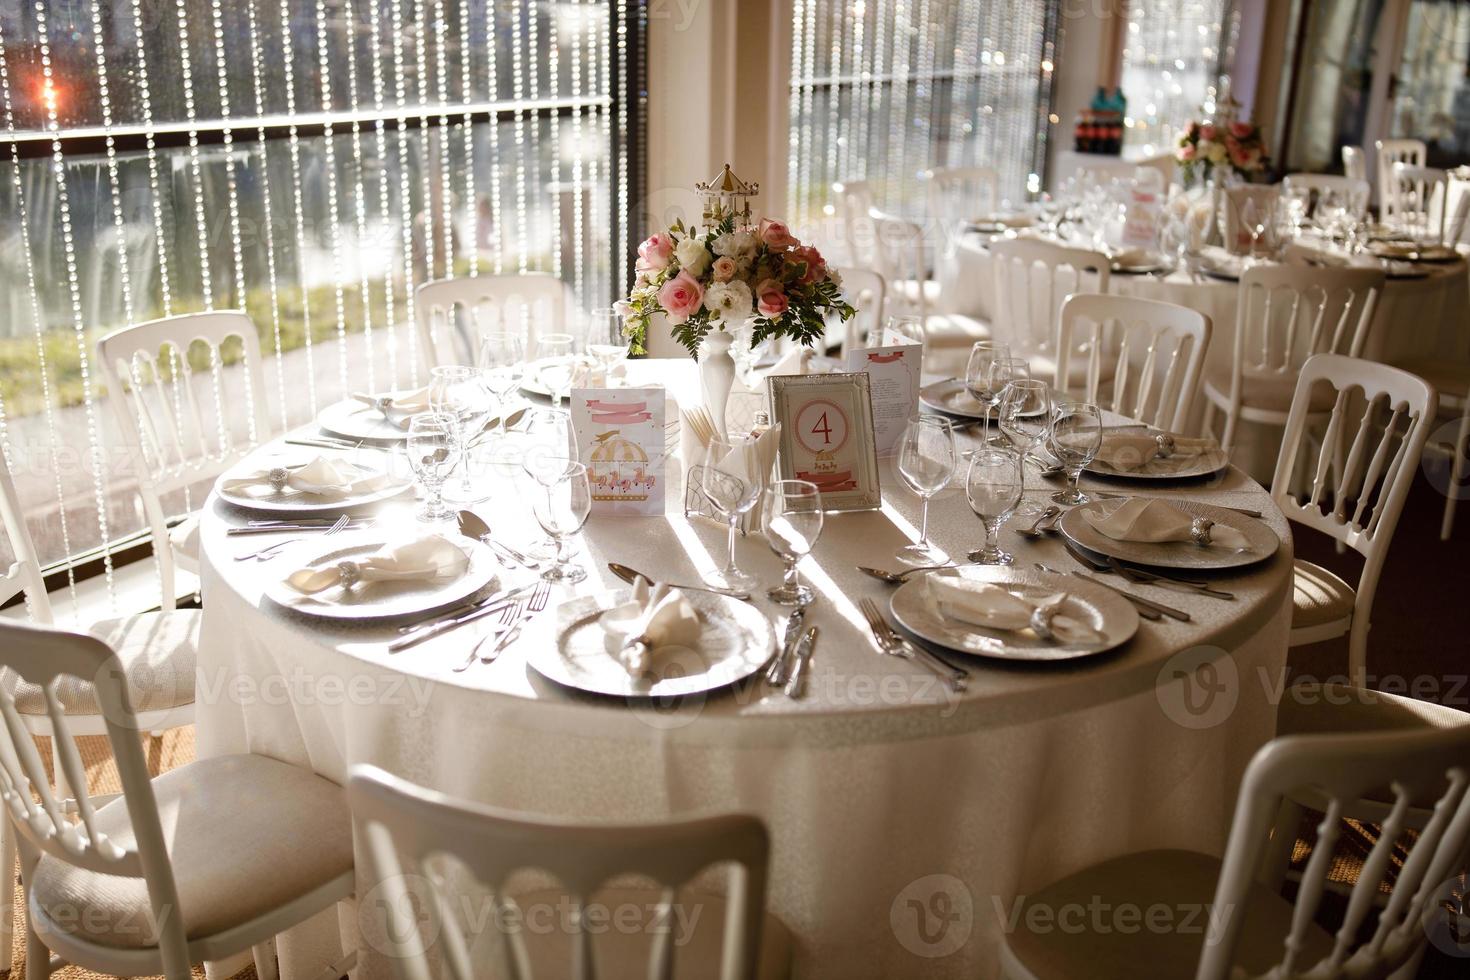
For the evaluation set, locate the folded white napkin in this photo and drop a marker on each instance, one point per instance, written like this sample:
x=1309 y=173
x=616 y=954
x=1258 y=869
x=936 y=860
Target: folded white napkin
x=994 y=607
x=1128 y=451
x=1132 y=256
x=652 y=620
x=425 y=558
x=411 y=402
x=321 y=477
x=1155 y=521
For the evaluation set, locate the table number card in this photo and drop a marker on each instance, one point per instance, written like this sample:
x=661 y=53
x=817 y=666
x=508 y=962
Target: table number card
x=827 y=437
x=894 y=384
x=620 y=432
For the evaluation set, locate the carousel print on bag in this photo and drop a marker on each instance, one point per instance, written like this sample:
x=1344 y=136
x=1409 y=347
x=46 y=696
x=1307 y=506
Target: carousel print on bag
x=622 y=430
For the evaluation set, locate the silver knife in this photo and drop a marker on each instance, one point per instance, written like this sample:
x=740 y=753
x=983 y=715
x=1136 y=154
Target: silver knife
x=780 y=666
x=1138 y=600
x=802 y=658
x=418 y=634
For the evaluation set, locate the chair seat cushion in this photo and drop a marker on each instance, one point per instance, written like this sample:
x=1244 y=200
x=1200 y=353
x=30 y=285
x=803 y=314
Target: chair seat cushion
x=184 y=539
x=620 y=947
x=158 y=651
x=1060 y=939
x=1318 y=596
x=245 y=834
x=1272 y=393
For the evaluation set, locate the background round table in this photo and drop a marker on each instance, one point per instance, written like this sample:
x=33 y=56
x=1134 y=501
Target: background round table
x=880 y=789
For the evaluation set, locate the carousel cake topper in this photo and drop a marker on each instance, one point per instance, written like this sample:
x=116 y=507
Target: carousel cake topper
x=727 y=197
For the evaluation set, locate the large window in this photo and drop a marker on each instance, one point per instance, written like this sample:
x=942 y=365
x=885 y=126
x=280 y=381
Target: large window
x=310 y=161
x=1172 y=53
x=882 y=90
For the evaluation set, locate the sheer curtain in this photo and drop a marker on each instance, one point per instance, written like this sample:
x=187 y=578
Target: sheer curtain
x=1173 y=51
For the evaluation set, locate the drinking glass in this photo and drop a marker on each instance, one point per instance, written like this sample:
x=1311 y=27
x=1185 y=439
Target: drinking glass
x=1074 y=438
x=993 y=485
x=558 y=366
x=550 y=451
x=433 y=452
x=926 y=461
x=1330 y=212
x=791 y=517
x=502 y=363
x=1298 y=200
x=1025 y=414
x=561 y=510
x=908 y=326
x=606 y=341
x=977 y=375
x=455 y=390
x=732 y=490
x=1174 y=243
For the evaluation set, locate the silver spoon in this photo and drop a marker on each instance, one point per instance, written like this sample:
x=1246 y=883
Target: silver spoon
x=471 y=525
x=1034 y=531
x=898 y=578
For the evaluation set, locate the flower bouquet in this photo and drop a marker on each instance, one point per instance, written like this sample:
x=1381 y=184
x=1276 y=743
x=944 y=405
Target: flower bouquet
x=1210 y=148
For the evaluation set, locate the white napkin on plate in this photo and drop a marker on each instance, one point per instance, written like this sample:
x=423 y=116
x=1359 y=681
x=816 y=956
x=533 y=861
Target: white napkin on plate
x=1155 y=521
x=1128 y=451
x=320 y=477
x=424 y=558
x=1132 y=257
x=995 y=607
x=661 y=616
x=412 y=402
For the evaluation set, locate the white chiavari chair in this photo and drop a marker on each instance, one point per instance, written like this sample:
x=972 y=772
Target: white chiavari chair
x=1032 y=279
x=409 y=833
x=1354 y=489
x=453 y=313
x=958 y=195
x=185 y=415
x=1419 y=200
x=1284 y=315
x=1158 y=349
x=1250 y=931
x=1387 y=154
x=202 y=863
x=867 y=292
x=1353 y=192
x=1354 y=163
x=856 y=200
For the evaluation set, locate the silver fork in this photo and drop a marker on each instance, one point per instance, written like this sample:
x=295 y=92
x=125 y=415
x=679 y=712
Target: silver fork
x=515 y=614
x=892 y=645
x=266 y=554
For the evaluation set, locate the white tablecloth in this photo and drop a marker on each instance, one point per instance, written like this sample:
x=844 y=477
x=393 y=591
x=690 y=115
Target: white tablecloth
x=872 y=785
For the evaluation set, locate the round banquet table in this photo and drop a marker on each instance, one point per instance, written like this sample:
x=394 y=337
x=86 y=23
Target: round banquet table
x=886 y=797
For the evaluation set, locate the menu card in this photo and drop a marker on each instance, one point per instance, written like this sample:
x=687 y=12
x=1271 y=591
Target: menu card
x=894 y=383
x=621 y=435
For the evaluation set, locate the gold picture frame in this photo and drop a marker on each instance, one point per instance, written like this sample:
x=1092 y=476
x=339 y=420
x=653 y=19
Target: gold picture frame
x=827 y=437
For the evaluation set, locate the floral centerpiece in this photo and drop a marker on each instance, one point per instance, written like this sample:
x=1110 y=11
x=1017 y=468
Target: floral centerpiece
x=729 y=271
x=1224 y=147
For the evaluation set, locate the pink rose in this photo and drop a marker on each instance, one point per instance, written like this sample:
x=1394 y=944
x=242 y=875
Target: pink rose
x=1207 y=132
x=655 y=253
x=776 y=234
x=771 y=298
x=680 y=297
x=1240 y=130
x=816 y=266
x=724 y=269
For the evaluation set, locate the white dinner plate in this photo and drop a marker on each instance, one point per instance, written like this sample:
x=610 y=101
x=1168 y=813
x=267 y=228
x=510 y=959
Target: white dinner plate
x=1173 y=468
x=1262 y=541
x=294 y=501
x=351 y=419
x=383 y=600
x=531 y=379
x=1101 y=608
x=568 y=647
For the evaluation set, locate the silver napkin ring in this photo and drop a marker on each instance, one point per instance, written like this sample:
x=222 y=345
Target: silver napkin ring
x=1166 y=445
x=349 y=572
x=1199 y=530
x=278 y=477
x=1041 y=618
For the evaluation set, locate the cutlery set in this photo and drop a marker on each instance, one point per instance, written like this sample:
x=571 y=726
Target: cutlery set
x=892 y=644
x=445 y=620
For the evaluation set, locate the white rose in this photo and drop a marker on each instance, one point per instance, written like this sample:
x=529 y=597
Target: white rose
x=693 y=256
x=737 y=245
x=724 y=245
x=834 y=276
x=1218 y=154
x=730 y=301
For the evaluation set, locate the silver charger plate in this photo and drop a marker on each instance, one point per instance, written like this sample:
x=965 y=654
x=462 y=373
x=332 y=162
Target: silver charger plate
x=352 y=419
x=1173 y=468
x=737 y=640
x=1102 y=609
x=1262 y=541
x=294 y=501
x=951 y=397
x=384 y=600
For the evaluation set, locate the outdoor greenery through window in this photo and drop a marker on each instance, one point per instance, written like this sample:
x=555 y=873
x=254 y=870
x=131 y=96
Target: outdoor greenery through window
x=1172 y=54
x=309 y=161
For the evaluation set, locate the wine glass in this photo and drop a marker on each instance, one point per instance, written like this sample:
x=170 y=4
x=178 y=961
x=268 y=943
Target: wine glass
x=732 y=490
x=993 y=486
x=433 y=452
x=557 y=365
x=606 y=341
x=977 y=375
x=561 y=510
x=926 y=461
x=1174 y=243
x=1330 y=212
x=550 y=451
x=901 y=329
x=502 y=362
x=791 y=517
x=1298 y=200
x=1025 y=414
x=1074 y=439
x=455 y=390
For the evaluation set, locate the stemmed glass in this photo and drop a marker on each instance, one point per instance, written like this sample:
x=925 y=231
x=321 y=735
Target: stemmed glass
x=1074 y=439
x=732 y=490
x=502 y=362
x=993 y=486
x=558 y=366
x=551 y=451
x=433 y=452
x=606 y=341
x=926 y=462
x=907 y=326
x=456 y=391
x=1025 y=414
x=1330 y=212
x=1174 y=243
x=1297 y=199
x=983 y=357
x=561 y=510
x=791 y=516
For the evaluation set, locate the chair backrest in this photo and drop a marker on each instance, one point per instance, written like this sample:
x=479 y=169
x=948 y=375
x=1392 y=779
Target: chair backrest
x=1342 y=769
x=1354 y=163
x=898 y=256
x=41 y=656
x=1264 y=201
x=1353 y=191
x=24 y=573
x=1418 y=199
x=396 y=818
x=1355 y=487
x=452 y=313
x=866 y=290
x=957 y=195
x=1032 y=278
x=1390 y=152
x=1159 y=348
x=855 y=201
x=1287 y=313
x=1454 y=231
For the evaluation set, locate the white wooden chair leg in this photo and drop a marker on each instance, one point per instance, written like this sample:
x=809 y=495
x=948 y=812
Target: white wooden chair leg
x=7 y=894
x=38 y=957
x=1457 y=472
x=265 y=960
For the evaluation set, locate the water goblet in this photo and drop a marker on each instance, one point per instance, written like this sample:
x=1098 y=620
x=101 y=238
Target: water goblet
x=550 y=451
x=732 y=490
x=502 y=363
x=456 y=390
x=993 y=486
x=607 y=341
x=1025 y=413
x=433 y=452
x=1074 y=438
x=791 y=517
x=926 y=462
x=983 y=356
x=561 y=510
x=557 y=364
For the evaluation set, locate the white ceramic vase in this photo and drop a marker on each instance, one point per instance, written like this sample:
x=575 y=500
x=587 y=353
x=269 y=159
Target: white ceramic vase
x=717 y=376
